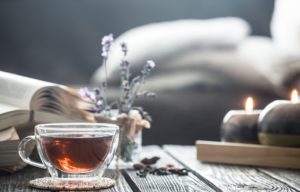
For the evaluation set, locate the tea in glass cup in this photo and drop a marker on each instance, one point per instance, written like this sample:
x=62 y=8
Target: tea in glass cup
x=73 y=151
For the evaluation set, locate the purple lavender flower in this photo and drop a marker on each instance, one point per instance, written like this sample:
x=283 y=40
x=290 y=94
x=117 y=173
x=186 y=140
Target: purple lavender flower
x=150 y=94
x=124 y=63
x=104 y=84
x=150 y=65
x=124 y=48
x=146 y=94
x=106 y=44
x=97 y=91
x=96 y=97
x=86 y=93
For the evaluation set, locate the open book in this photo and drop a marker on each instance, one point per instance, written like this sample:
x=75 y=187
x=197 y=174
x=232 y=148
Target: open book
x=27 y=101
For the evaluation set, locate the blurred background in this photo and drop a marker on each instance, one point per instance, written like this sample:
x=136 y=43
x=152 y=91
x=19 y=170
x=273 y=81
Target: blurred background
x=59 y=41
x=210 y=55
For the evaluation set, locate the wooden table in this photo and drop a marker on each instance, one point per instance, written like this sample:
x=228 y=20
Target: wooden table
x=203 y=176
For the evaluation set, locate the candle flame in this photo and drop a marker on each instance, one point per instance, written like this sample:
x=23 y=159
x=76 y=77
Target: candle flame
x=249 y=104
x=294 y=96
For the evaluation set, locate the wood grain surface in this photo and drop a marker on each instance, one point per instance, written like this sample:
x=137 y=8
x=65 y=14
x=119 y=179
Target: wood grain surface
x=288 y=176
x=203 y=176
x=229 y=177
x=169 y=183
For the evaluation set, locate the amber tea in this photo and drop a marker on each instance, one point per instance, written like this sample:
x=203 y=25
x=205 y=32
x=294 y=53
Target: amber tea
x=73 y=151
x=76 y=154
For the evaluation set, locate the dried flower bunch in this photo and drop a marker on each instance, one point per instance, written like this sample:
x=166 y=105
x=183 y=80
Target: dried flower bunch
x=133 y=118
x=130 y=88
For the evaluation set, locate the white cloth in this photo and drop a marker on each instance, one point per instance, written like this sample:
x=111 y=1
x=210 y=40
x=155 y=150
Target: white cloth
x=263 y=54
x=285 y=27
x=159 y=41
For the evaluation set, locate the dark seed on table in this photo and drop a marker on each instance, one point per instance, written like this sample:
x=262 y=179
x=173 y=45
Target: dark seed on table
x=183 y=172
x=145 y=167
x=174 y=170
x=163 y=168
x=148 y=168
x=150 y=161
x=154 y=159
x=170 y=165
x=139 y=166
x=141 y=174
x=161 y=171
x=154 y=171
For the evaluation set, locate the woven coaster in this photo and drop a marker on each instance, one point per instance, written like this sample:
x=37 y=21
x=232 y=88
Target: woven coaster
x=50 y=183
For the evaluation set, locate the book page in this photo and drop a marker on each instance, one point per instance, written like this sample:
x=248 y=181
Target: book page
x=4 y=108
x=65 y=103
x=11 y=116
x=8 y=134
x=17 y=90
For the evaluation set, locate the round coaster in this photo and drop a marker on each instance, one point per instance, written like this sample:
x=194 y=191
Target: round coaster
x=50 y=183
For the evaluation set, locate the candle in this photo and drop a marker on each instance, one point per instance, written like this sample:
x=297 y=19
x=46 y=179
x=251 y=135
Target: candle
x=279 y=123
x=241 y=125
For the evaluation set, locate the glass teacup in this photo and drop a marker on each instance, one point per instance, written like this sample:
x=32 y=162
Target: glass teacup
x=73 y=151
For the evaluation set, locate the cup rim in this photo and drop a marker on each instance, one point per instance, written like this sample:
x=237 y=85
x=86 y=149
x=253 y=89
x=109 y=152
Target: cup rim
x=85 y=126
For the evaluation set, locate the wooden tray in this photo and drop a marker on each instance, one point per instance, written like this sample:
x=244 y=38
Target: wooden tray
x=248 y=154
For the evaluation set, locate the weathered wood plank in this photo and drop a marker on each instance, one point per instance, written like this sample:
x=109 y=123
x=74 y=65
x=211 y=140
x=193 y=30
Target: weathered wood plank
x=18 y=182
x=227 y=177
x=121 y=186
x=290 y=177
x=169 y=183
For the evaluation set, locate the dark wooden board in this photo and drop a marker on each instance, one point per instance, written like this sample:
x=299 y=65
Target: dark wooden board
x=228 y=177
x=19 y=180
x=248 y=154
x=170 y=183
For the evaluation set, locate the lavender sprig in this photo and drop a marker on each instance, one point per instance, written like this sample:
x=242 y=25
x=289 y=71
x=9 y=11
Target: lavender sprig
x=98 y=96
x=146 y=94
x=130 y=89
x=124 y=48
x=106 y=47
x=125 y=84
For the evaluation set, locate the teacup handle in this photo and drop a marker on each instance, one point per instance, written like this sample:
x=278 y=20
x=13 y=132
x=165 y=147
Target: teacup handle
x=23 y=155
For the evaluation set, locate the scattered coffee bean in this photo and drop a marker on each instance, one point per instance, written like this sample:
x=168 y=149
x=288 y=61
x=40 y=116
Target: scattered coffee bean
x=183 y=172
x=170 y=165
x=145 y=167
x=150 y=161
x=139 y=166
x=149 y=168
x=141 y=173
x=163 y=171
x=173 y=170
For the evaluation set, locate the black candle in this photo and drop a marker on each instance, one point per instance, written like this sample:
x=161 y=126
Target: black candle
x=241 y=125
x=279 y=123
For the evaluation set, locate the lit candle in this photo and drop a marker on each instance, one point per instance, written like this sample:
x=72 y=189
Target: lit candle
x=241 y=125
x=279 y=123
x=294 y=96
